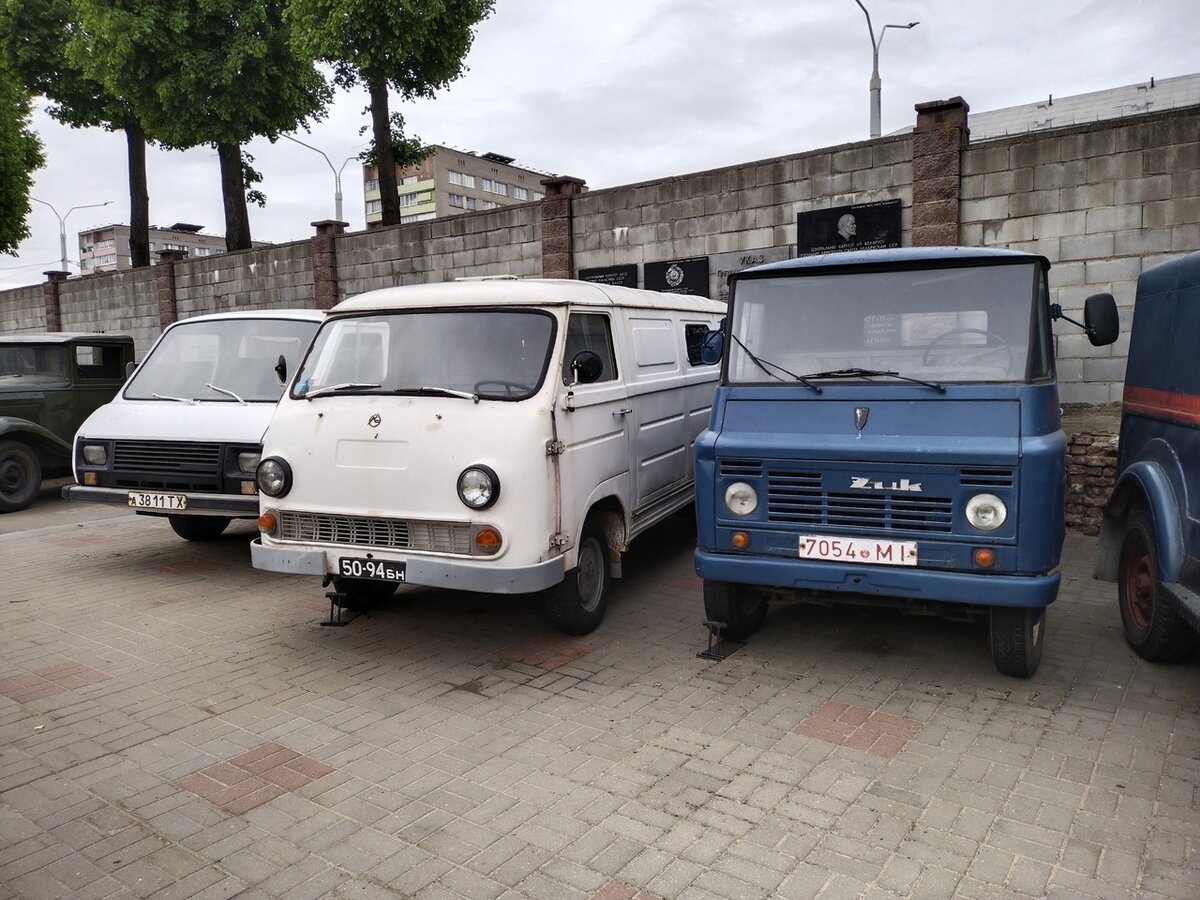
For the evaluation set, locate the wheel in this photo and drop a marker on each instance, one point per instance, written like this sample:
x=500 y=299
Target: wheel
x=740 y=607
x=1152 y=626
x=198 y=528
x=20 y=476
x=363 y=592
x=970 y=353
x=576 y=605
x=1016 y=634
x=511 y=388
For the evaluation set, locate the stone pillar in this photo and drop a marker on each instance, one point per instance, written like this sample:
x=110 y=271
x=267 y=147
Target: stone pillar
x=558 y=255
x=939 y=139
x=164 y=285
x=50 y=294
x=324 y=261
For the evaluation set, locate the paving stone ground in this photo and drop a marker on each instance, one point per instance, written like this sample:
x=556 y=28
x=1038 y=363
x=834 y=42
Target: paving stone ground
x=174 y=723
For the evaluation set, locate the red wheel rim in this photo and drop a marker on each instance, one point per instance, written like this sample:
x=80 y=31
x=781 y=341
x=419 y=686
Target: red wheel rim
x=1139 y=585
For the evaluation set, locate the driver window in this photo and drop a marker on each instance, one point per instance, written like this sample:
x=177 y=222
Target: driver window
x=590 y=331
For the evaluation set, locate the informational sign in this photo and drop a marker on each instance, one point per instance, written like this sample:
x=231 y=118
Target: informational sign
x=726 y=264
x=623 y=276
x=678 y=276
x=863 y=226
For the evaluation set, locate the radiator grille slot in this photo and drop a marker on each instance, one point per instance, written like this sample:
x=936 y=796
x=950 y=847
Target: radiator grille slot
x=400 y=534
x=167 y=457
x=987 y=478
x=798 y=498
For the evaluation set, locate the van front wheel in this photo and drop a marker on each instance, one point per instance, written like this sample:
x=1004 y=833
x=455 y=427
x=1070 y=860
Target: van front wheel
x=576 y=605
x=198 y=528
x=1016 y=634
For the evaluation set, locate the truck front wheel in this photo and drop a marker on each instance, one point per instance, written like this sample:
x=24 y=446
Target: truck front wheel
x=576 y=605
x=740 y=607
x=20 y=476
x=1016 y=634
x=198 y=528
x=1152 y=627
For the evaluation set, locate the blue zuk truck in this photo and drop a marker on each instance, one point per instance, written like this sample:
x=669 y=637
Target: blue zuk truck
x=887 y=429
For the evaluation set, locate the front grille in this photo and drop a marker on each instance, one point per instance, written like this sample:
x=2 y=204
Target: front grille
x=167 y=465
x=797 y=498
x=401 y=534
x=987 y=478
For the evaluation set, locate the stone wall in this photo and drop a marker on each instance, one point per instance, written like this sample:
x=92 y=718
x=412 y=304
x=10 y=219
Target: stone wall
x=23 y=310
x=277 y=277
x=121 y=302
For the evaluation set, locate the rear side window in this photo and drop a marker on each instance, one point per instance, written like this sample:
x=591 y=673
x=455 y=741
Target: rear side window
x=98 y=361
x=590 y=331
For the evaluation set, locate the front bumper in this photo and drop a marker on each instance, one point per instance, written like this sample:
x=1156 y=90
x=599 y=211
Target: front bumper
x=235 y=506
x=888 y=581
x=484 y=577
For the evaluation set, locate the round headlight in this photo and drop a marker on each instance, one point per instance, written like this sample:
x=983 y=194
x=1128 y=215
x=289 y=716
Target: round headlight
x=478 y=487
x=741 y=499
x=986 y=512
x=274 y=477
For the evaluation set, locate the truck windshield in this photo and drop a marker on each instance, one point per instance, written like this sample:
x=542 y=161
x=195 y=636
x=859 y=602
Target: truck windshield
x=221 y=360
x=945 y=325
x=467 y=353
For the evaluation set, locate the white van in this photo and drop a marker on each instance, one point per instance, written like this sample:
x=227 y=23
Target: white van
x=493 y=435
x=182 y=439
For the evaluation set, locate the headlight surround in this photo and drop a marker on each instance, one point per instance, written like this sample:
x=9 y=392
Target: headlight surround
x=274 y=476
x=986 y=512
x=95 y=454
x=478 y=487
x=248 y=460
x=741 y=499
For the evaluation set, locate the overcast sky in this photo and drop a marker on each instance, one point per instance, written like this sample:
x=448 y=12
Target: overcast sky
x=621 y=91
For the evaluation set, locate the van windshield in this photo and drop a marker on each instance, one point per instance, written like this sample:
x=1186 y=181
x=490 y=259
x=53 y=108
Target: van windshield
x=945 y=325
x=221 y=360
x=497 y=354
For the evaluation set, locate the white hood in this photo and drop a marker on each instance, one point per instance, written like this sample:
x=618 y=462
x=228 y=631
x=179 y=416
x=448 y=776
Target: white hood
x=167 y=420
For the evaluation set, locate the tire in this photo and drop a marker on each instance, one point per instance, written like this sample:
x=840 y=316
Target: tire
x=1017 y=634
x=1152 y=626
x=576 y=605
x=20 y=476
x=198 y=528
x=740 y=607
x=362 y=592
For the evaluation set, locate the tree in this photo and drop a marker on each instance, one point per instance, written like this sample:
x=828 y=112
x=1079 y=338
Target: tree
x=217 y=72
x=413 y=46
x=37 y=36
x=20 y=155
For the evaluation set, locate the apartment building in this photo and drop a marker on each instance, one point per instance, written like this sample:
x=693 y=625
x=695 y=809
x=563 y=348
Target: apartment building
x=449 y=182
x=106 y=248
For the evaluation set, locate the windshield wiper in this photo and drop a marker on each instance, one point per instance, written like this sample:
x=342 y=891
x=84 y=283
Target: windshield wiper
x=226 y=391
x=871 y=373
x=763 y=363
x=337 y=388
x=440 y=391
x=188 y=400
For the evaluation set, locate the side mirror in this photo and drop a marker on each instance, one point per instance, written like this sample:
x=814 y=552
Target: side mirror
x=712 y=345
x=1101 y=319
x=281 y=369
x=130 y=368
x=586 y=367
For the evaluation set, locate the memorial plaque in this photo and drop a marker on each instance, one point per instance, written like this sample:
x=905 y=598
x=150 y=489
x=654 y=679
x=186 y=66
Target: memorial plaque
x=678 y=276
x=863 y=226
x=623 y=276
x=726 y=264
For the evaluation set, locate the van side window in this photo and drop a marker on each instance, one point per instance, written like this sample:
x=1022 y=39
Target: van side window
x=589 y=331
x=693 y=337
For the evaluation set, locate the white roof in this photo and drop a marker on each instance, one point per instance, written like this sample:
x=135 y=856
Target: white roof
x=522 y=292
x=299 y=315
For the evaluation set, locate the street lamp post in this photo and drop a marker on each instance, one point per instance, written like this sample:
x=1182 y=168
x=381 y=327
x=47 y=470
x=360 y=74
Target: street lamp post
x=62 y=226
x=876 y=84
x=337 y=175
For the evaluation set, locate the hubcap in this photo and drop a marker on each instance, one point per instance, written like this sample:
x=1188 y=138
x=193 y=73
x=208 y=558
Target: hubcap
x=12 y=475
x=1139 y=586
x=590 y=576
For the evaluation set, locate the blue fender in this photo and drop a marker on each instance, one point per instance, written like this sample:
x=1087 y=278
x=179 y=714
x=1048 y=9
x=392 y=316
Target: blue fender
x=1156 y=487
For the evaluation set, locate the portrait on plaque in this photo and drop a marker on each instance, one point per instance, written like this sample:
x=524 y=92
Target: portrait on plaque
x=863 y=226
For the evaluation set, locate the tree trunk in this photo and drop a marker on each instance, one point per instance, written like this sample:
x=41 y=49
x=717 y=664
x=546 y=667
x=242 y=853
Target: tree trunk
x=385 y=157
x=139 y=198
x=233 y=190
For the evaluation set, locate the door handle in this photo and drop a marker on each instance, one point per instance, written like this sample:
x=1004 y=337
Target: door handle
x=622 y=412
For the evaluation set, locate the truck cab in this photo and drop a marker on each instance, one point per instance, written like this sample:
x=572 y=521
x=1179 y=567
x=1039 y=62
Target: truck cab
x=1150 y=534
x=887 y=429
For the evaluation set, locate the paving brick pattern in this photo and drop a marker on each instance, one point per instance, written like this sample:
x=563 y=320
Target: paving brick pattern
x=454 y=746
x=29 y=686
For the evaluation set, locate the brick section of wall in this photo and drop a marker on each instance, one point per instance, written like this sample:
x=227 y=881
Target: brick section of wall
x=1102 y=202
x=1091 y=469
x=164 y=286
x=324 y=262
x=938 y=142
x=52 y=315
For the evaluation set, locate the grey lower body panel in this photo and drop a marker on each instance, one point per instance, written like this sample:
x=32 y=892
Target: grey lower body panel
x=228 y=505
x=421 y=570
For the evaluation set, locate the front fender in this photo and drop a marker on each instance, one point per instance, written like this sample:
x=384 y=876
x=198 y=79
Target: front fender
x=1143 y=482
x=33 y=434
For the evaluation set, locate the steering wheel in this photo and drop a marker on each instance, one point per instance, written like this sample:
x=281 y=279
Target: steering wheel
x=510 y=388
x=966 y=354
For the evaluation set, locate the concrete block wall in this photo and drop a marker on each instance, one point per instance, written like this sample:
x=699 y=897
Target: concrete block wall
x=495 y=242
x=118 y=303
x=23 y=310
x=1101 y=202
x=276 y=277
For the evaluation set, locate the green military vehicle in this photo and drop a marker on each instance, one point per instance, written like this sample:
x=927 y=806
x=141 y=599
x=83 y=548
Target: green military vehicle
x=50 y=383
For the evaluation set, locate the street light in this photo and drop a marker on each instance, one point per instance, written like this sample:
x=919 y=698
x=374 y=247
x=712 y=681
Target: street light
x=337 y=175
x=875 y=82
x=62 y=226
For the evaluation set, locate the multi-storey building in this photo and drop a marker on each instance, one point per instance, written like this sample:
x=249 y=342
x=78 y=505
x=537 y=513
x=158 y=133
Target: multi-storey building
x=449 y=182
x=107 y=248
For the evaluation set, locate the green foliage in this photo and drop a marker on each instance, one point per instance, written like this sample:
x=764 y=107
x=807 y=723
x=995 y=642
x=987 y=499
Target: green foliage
x=406 y=151
x=20 y=156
